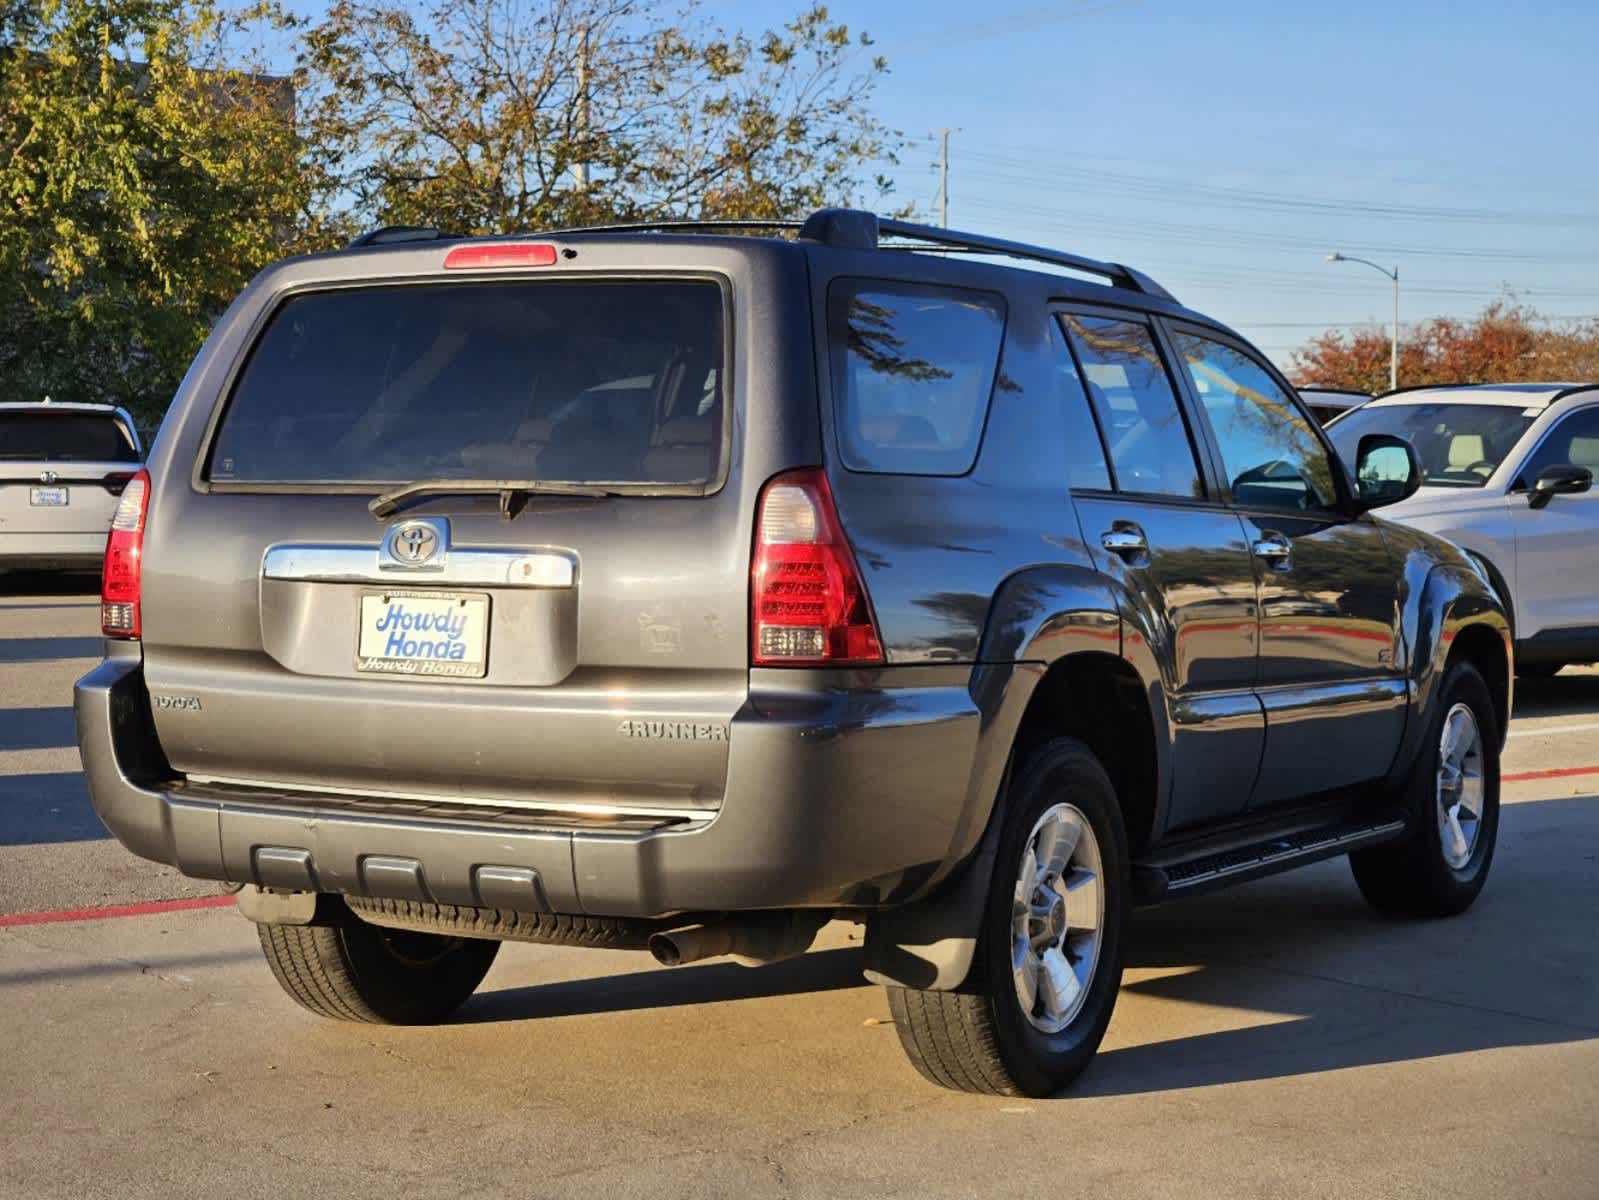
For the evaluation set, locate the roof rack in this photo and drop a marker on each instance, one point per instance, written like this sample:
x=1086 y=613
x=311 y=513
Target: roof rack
x=862 y=230
x=846 y=228
x=390 y=234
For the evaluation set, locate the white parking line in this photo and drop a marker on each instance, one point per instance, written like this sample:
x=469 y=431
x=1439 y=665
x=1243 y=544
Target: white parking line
x=1550 y=729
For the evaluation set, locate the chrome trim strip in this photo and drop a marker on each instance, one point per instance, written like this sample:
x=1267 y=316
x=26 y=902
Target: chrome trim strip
x=690 y=815
x=466 y=566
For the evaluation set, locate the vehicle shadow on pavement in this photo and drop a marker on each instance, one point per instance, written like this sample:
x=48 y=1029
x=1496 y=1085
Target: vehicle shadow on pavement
x=38 y=728
x=47 y=807
x=47 y=649
x=712 y=983
x=172 y=967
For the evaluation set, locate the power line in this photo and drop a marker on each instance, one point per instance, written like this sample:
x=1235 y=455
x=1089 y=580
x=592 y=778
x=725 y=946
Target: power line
x=1051 y=14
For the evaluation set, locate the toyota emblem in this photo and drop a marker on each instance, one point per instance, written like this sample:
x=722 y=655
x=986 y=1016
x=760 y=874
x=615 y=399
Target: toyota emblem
x=47 y=477
x=414 y=543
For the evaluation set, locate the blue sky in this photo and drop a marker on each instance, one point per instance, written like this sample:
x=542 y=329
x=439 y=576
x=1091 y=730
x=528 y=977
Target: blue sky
x=1226 y=147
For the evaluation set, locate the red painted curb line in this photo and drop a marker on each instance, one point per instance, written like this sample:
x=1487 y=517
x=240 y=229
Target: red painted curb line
x=115 y=910
x=1556 y=773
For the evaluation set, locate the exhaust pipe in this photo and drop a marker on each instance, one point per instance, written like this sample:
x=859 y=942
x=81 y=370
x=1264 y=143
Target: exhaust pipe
x=752 y=940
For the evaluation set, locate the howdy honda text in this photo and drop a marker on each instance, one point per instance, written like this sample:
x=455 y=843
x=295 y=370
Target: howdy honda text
x=423 y=633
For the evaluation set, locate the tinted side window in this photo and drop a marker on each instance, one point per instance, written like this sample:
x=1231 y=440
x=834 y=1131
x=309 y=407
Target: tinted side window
x=1084 y=454
x=1574 y=442
x=1132 y=397
x=1271 y=454
x=913 y=370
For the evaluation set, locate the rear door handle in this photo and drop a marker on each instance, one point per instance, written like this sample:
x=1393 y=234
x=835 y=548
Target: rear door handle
x=1275 y=549
x=1127 y=541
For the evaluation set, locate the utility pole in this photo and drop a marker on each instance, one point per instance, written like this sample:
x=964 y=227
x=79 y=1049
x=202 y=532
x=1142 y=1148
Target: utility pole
x=580 y=171
x=943 y=177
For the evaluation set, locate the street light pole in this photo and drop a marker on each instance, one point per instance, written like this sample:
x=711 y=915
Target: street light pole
x=1393 y=347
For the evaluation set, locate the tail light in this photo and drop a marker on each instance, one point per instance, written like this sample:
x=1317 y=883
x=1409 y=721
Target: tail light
x=124 y=553
x=808 y=605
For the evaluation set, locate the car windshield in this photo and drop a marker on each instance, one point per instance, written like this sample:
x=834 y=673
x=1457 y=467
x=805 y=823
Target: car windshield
x=1460 y=445
x=64 y=436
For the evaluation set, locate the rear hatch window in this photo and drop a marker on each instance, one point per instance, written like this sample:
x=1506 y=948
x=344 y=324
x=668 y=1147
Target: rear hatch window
x=558 y=381
x=38 y=436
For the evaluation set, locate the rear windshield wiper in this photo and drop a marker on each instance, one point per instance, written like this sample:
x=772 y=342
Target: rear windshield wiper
x=513 y=493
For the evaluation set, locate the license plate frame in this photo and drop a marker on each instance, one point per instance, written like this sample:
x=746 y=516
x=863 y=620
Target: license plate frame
x=59 y=496
x=475 y=607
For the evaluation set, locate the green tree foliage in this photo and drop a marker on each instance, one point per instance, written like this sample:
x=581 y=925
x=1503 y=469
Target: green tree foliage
x=482 y=116
x=1505 y=343
x=149 y=166
x=143 y=180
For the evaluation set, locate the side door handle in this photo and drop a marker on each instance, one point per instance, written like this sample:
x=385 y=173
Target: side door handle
x=1275 y=550
x=1126 y=541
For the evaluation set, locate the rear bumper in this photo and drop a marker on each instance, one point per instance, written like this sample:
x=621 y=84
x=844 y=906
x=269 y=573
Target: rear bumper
x=52 y=551
x=853 y=797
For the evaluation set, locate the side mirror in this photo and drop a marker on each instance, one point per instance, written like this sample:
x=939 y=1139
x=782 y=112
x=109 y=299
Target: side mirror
x=1558 y=481
x=1386 y=471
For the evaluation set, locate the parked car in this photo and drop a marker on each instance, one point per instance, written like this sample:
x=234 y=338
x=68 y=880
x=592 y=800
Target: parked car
x=1507 y=473
x=961 y=599
x=1328 y=404
x=62 y=469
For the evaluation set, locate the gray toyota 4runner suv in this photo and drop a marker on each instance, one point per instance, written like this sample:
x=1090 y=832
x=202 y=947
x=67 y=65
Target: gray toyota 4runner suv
x=645 y=587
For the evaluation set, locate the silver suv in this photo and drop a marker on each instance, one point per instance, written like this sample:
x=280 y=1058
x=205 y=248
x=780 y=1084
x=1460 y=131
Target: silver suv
x=62 y=469
x=673 y=589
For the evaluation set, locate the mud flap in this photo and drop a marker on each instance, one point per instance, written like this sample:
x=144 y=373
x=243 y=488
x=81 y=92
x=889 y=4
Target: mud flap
x=930 y=945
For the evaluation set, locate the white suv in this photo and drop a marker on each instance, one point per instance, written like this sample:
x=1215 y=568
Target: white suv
x=1508 y=472
x=62 y=469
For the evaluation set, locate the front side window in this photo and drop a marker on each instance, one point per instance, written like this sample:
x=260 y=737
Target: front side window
x=1269 y=450
x=913 y=370
x=1572 y=443
x=553 y=381
x=1132 y=395
x=1459 y=445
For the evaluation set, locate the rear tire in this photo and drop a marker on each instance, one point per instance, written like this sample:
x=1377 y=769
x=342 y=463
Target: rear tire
x=1442 y=864
x=349 y=970
x=980 y=1038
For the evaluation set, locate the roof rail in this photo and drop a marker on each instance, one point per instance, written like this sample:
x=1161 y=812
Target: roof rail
x=674 y=225
x=858 y=229
x=390 y=234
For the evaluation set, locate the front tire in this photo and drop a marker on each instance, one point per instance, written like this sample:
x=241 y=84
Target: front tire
x=348 y=970
x=1452 y=797
x=1043 y=984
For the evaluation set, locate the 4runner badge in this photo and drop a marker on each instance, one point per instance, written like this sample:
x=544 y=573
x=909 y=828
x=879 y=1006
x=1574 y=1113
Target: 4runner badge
x=675 y=731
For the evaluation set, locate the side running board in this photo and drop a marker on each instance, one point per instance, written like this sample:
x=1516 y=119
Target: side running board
x=1153 y=883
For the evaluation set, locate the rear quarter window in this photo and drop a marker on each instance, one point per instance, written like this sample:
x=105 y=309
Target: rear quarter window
x=913 y=372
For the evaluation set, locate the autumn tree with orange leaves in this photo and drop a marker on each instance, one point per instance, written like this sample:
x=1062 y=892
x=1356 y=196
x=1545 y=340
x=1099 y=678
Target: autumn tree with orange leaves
x=1505 y=343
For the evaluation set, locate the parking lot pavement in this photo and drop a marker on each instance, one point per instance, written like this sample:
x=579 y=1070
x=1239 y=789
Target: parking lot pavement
x=54 y=853
x=1274 y=1040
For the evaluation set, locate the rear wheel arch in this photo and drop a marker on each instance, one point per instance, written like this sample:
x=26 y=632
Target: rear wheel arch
x=1100 y=700
x=1092 y=696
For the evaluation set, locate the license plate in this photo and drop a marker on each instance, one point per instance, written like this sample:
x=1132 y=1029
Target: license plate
x=424 y=633
x=48 y=497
